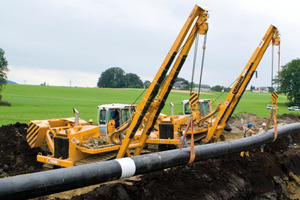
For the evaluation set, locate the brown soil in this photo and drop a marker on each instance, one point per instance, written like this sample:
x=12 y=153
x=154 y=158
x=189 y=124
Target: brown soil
x=16 y=157
x=273 y=174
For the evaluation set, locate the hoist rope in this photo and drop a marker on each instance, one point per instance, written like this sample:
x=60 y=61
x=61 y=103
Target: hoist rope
x=236 y=79
x=179 y=50
x=224 y=91
x=194 y=63
x=202 y=63
x=272 y=67
x=139 y=95
x=278 y=65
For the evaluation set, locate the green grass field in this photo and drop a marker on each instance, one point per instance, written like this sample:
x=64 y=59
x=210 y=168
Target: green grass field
x=31 y=102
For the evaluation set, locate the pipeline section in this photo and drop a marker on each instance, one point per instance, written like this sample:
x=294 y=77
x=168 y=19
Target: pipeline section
x=53 y=181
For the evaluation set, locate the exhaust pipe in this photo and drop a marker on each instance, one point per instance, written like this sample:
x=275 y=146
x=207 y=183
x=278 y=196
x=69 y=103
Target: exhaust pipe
x=76 y=117
x=49 y=182
x=172 y=109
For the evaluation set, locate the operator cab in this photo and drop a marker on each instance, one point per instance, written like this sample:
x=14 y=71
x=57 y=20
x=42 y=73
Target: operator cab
x=120 y=113
x=204 y=107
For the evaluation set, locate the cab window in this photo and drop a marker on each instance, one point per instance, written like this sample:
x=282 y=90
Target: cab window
x=114 y=115
x=187 y=109
x=205 y=108
x=102 y=116
x=125 y=115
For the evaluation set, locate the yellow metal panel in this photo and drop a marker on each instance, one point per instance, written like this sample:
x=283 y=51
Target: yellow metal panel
x=36 y=133
x=193 y=101
x=274 y=97
x=96 y=151
x=163 y=141
x=55 y=161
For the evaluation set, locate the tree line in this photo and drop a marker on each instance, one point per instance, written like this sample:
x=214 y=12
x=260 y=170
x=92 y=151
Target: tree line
x=3 y=72
x=115 y=77
x=288 y=79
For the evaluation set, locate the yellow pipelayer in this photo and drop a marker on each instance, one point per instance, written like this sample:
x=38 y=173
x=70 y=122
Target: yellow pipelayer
x=149 y=103
x=65 y=140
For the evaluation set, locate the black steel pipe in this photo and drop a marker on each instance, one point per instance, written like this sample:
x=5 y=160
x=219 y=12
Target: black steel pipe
x=48 y=182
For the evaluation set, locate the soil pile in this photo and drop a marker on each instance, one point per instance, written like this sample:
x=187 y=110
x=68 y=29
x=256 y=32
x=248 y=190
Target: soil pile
x=16 y=157
x=273 y=174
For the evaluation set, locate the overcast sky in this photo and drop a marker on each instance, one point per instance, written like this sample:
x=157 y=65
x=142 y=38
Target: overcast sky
x=58 y=41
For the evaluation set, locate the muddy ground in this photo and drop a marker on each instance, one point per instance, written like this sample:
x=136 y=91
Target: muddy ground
x=16 y=157
x=273 y=174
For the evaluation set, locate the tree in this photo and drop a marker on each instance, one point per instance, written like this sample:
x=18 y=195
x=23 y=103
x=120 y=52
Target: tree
x=146 y=83
x=227 y=89
x=115 y=77
x=180 y=79
x=133 y=81
x=3 y=70
x=182 y=84
x=289 y=81
x=217 y=88
x=112 y=78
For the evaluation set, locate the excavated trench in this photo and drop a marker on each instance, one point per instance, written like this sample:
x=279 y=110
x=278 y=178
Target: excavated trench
x=273 y=174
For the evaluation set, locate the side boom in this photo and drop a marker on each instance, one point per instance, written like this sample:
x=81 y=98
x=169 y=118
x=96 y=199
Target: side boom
x=235 y=94
x=148 y=104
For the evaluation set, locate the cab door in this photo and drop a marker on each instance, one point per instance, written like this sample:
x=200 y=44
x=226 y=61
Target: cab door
x=102 y=122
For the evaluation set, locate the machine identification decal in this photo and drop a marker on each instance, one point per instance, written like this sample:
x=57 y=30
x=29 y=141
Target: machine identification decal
x=51 y=161
x=260 y=44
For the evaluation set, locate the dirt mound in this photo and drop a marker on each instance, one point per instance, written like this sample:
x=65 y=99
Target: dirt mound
x=16 y=157
x=291 y=117
x=273 y=174
x=237 y=131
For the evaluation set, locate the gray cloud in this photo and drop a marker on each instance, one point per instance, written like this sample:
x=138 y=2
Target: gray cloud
x=91 y=36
